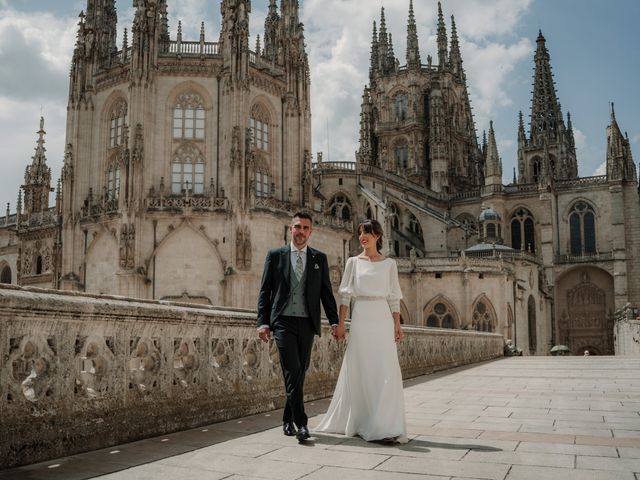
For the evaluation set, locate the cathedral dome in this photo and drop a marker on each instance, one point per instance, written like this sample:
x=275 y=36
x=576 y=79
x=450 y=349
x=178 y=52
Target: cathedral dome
x=488 y=214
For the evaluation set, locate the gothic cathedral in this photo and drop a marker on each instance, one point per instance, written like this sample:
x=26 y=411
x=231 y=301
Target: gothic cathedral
x=185 y=160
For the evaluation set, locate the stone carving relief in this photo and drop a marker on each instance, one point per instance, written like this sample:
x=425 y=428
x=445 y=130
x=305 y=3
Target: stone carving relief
x=144 y=364
x=127 y=246
x=243 y=248
x=93 y=361
x=251 y=353
x=33 y=364
x=223 y=362
x=186 y=361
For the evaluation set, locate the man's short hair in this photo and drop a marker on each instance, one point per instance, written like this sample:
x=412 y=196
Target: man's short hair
x=302 y=214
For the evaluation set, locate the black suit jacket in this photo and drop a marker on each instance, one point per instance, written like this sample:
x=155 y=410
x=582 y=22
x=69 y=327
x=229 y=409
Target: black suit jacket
x=276 y=286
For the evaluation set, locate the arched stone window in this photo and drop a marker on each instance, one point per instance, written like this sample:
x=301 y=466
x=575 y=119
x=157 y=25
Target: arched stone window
x=414 y=226
x=401 y=155
x=189 y=117
x=187 y=170
x=531 y=320
x=39 y=265
x=113 y=180
x=340 y=207
x=535 y=167
x=5 y=276
x=394 y=217
x=523 y=231
x=259 y=125
x=440 y=313
x=262 y=184
x=484 y=316
x=582 y=228
x=369 y=213
x=118 y=124
x=400 y=107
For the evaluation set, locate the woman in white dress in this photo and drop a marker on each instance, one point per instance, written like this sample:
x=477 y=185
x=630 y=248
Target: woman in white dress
x=368 y=400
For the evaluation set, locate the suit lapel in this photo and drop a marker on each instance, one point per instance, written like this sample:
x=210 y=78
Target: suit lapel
x=285 y=265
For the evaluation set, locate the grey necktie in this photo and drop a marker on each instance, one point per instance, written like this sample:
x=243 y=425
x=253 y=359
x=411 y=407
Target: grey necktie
x=299 y=267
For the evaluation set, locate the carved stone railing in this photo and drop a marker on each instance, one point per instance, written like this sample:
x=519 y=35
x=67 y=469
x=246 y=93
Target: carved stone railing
x=83 y=372
x=95 y=207
x=190 y=48
x=521 y=188
x=581 y=182
x=8 y=220
x=322 y=167
x=180 y=203
x=585 y=258
x=627 y=331
x=400 y=123
x=46 y=218
x=275 y=205
x=469 y=194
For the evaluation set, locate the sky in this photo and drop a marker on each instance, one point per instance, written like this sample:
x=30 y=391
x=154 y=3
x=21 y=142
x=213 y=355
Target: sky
x=592 y=44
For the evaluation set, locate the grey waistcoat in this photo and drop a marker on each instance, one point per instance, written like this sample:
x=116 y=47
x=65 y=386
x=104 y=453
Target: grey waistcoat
x=297 y=304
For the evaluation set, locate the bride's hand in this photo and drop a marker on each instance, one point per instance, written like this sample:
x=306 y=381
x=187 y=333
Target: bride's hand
x=398 y=334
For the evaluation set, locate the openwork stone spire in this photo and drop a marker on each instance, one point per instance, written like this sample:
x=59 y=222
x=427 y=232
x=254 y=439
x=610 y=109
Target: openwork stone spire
x=545 y=110
x=455 y=57
x=442 y=40
x=37 y=177
x=620 y=164
x=413 y=50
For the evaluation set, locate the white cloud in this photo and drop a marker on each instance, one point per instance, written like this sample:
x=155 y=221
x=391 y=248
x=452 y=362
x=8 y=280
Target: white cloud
x=338 y=36
x=487 y=85
x=602 y=169
x=590 y=158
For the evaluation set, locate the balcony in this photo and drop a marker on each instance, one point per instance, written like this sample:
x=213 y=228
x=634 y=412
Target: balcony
x=584 y=258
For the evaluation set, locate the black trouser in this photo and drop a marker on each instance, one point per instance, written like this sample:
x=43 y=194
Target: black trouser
x=294 y=338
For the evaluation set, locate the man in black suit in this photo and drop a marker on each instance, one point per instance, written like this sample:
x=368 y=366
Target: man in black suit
x=294 y=282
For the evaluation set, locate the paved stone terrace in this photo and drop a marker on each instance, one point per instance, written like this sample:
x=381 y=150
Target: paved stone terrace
x=525 y=418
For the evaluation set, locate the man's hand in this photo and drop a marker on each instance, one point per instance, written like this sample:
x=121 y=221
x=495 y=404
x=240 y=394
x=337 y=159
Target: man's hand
x=264 y=334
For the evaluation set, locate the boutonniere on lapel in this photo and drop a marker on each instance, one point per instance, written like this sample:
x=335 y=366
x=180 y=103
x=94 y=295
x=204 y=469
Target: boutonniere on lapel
x=316 y=266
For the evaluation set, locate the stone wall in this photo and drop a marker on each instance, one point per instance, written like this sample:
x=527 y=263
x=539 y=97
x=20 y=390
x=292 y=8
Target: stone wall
x=626 y=331
x=83 y=372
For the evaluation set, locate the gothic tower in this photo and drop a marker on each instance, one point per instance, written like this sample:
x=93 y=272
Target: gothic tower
x=37 y=179
x=405 y=127
x=178 y=149
x=549 y=153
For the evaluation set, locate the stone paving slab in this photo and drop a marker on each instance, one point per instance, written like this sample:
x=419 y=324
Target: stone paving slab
x=528 y=418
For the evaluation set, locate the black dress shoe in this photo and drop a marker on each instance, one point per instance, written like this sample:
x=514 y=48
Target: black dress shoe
x=288 y=429
x=303 y=434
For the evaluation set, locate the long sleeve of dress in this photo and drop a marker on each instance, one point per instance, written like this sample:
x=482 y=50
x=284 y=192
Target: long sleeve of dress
x=395 y=294
x=346 y=286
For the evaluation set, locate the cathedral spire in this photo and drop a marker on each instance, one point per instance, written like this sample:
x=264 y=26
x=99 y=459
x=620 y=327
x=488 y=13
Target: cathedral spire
x=545 y=109
x=271 y=24
x=442 y=40
x=164 y=21
x=620 y=165
x=413 y=50
x=455 y=57
x=493 y=165
x=37 y=177
x=391 y=57
x=383 y=44
x=102 y=24
x=373 y=68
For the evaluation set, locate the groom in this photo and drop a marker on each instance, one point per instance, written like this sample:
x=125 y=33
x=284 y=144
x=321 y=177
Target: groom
x=294 y=282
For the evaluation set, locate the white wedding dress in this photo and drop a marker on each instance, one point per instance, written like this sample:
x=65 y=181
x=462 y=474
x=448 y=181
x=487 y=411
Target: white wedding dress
x=368 y=400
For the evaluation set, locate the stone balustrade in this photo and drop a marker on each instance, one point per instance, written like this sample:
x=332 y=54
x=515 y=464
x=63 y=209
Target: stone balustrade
x=82 y=372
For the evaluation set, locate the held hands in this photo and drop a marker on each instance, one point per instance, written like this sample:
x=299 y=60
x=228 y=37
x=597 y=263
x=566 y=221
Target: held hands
x=338 y=332
x=264 y=334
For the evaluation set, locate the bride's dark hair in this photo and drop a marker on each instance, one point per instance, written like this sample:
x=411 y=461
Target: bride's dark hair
x=372 y=227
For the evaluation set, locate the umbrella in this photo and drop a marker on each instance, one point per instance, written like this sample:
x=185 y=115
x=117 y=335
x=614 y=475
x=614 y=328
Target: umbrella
x=560 y=350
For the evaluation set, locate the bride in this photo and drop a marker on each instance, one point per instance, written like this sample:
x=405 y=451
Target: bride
x=368 y=400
